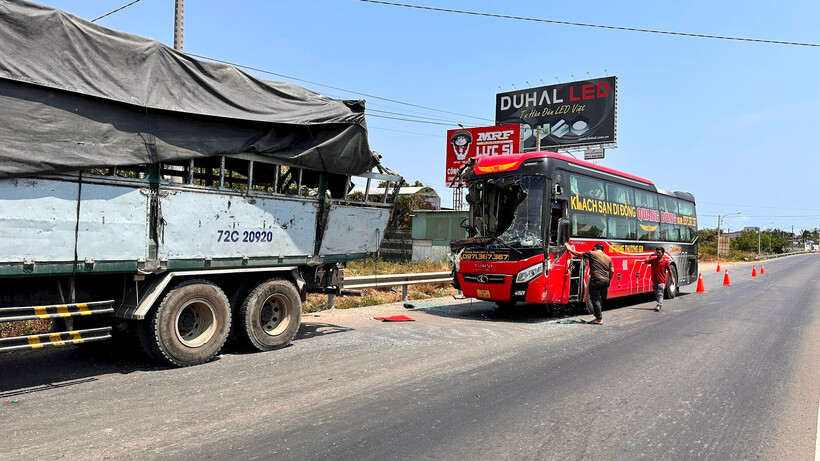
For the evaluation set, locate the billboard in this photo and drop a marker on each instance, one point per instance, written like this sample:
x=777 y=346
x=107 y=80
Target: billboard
x=569 y=114
x=466 y=143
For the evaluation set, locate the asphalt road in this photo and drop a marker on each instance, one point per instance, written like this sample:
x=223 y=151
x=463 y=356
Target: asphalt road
x=729 y=374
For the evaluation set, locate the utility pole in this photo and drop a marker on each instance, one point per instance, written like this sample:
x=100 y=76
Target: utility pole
x=720 y=218
x=178 y=20
x=179 y=8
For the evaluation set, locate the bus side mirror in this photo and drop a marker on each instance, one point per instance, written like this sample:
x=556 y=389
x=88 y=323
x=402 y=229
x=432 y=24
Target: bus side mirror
x=563 y=231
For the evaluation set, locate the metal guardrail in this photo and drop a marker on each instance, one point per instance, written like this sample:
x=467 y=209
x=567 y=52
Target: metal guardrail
x=774 y=256
x=392 y=280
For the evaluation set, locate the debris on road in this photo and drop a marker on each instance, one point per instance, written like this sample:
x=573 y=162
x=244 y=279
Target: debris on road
x=395 y=318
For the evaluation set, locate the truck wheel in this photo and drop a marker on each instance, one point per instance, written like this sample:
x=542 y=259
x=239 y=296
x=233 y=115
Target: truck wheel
x=190 y=326
x=672 y=283
x=269 y=317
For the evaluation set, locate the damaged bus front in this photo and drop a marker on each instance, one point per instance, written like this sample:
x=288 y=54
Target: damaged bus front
x=503 y=258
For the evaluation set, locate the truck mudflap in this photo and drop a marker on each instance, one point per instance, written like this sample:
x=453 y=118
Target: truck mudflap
x=55 y=311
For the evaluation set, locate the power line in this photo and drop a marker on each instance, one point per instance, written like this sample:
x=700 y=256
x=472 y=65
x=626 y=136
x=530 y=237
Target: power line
x=407 y=113
x=581 y=24
x=339 y=89
x=767 y=216
x=112 y=12
x=432 y=119
x=410 y=120
x=757 y=206
x=373 y=127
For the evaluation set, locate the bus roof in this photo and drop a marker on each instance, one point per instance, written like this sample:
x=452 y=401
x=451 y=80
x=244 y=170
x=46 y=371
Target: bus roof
x=499 y=163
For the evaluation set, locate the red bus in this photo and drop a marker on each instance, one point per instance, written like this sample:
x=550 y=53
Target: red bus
x=525 y=207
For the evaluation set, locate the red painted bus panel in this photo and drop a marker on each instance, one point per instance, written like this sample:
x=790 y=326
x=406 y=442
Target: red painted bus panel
x=499 y=163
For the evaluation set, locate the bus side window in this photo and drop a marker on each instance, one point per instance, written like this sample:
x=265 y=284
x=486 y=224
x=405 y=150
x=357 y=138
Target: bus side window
x=670 y=232
x=587 y=187
x=619 y=194
x=648 y=230
x=646 y=199
x=686 y=208
x=584 y=225
x=621 y=228
x=668 y=204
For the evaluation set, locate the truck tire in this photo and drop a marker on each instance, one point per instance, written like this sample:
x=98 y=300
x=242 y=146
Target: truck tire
x=672 y=283
x=190 y=325
x=270 y=315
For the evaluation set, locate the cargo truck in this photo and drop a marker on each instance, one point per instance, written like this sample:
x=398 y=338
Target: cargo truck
x=169 y=200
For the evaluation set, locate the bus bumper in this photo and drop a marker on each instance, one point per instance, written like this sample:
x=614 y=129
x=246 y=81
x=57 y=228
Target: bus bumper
x=534 y=291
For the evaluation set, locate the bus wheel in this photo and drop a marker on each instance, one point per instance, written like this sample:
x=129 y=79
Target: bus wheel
x=190 y=325
x=505 y=304
x=672 y=283
x=269 y=317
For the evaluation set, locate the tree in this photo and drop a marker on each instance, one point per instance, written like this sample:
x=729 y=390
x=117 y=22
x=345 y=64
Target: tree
x=405 y=204
x=404 y=208
x=707 y=241
x=746 y=241
x=773 y=241
x=403 y=184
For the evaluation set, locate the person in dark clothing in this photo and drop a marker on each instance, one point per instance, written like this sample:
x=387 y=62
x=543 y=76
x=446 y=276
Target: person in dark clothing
x=601 y=272
x=660 y=269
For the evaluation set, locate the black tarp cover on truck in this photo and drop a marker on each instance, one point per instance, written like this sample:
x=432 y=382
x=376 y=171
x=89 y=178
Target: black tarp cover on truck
x=76 y=95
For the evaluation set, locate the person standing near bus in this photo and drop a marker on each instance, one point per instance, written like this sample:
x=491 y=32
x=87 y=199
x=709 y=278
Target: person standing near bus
x=601 y=272
x=660 y=269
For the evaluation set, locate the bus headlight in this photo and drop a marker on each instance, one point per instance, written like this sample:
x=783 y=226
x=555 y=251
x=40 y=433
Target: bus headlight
x=530 y=273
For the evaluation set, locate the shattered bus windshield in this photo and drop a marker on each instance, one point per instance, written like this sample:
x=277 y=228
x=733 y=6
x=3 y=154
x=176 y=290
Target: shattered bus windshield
x=509 y=209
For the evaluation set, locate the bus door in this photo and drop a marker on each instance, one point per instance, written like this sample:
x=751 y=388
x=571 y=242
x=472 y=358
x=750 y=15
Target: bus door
x=576 y=267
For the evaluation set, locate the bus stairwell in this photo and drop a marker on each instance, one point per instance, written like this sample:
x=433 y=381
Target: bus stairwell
x=576 y=280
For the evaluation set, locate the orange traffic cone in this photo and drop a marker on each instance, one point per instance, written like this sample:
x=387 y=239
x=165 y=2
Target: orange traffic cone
x=726 y=280
x=718 y=268
x=762 y=269
x=701 y=288
x=754 y=270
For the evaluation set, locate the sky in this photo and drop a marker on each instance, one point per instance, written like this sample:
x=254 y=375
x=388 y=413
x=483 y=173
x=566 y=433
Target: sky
x=729 y=121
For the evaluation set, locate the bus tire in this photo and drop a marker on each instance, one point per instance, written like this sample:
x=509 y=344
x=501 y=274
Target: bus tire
x=672 y=283
x=189 y=327
x=270 y=315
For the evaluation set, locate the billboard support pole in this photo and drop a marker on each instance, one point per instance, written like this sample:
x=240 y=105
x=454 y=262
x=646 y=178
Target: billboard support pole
x=538 y=138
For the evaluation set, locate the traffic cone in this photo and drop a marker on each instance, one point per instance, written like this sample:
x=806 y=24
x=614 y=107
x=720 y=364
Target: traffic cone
x=762 y=269
x=701 y=288
x=718 y=268
x=754 y=270
x=726 y=280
